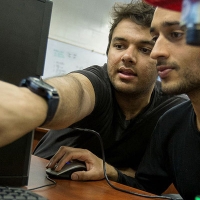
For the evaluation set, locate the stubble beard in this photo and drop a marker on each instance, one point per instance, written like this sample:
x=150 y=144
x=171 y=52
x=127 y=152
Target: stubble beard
x=187 y=85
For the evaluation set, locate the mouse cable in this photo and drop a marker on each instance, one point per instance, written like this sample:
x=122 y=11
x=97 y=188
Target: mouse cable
x=104 y=169
x=53 y=183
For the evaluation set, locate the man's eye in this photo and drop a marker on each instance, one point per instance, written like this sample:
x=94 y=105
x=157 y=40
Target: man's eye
x=176 y=34
x=146 y=50
x=118 y=46
x=154 y=38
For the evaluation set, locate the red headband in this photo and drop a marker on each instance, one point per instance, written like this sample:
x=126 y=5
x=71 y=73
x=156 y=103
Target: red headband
x=175 y=5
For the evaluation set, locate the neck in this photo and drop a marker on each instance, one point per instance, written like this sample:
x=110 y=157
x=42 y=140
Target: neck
x=132 y=105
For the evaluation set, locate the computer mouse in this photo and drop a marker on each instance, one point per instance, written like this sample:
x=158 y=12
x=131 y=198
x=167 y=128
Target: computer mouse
x=67 y=170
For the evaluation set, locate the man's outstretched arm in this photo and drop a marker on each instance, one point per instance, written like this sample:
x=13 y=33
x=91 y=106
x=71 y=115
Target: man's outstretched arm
x=22 y=111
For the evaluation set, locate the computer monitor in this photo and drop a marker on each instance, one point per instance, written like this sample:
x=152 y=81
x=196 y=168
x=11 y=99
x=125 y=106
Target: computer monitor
x=15 y=162
x=23 y=38
x=23 y=41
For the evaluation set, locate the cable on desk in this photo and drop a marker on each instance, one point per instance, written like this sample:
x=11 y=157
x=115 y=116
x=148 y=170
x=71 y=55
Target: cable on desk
x=54 y=183
x=104 y=169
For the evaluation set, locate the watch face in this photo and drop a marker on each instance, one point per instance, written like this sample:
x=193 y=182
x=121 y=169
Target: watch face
x=44 y=90
x=41 y=84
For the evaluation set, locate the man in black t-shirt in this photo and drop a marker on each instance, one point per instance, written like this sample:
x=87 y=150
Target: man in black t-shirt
x=123 y=139
x=173 y=153
x=120 y=100
x=128 y=100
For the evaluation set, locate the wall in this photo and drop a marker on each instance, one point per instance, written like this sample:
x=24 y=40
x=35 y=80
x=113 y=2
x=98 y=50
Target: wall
x=78 y=35
x=62 y=58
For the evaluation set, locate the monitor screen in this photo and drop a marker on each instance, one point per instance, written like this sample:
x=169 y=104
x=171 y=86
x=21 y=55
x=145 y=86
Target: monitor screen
x=23 y=38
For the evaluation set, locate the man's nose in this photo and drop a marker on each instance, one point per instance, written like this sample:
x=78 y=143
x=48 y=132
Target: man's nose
x=160 y=49
x=129 y=55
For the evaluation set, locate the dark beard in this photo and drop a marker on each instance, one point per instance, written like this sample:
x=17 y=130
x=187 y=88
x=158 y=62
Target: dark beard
x=181 y=88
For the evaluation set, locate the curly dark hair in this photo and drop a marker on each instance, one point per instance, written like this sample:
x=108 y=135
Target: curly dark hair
x=138 y=11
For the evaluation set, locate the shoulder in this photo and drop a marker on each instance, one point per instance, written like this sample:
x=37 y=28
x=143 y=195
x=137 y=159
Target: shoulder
x=179 y=111
x=96 y=74
x=173 y=124
x=95 y=70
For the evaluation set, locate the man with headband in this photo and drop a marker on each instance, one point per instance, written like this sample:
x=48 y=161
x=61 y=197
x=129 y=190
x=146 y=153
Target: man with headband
x=173 y=154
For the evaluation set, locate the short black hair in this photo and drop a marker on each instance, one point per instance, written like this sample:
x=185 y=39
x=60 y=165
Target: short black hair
x=138 y=11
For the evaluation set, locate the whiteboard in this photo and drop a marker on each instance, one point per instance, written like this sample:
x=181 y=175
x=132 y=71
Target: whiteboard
x=62 y=58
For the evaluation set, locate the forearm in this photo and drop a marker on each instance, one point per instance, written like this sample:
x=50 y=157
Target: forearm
x=111 y=173
x=128 y=171
x=21 y=111
x=77 y=99
x=125 y=176
x=128 y=180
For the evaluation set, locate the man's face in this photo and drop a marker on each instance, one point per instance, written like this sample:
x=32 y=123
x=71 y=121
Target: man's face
x=178 y=64
x=130 y=68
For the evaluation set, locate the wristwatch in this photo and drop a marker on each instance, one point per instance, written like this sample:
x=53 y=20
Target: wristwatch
x=44 y=90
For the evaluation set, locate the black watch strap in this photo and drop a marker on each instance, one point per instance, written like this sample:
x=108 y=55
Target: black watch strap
x=46 y=91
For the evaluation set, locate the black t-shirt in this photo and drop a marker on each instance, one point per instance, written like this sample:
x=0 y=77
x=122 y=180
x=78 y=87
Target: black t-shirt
x=173 y=155
x=124 y=141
